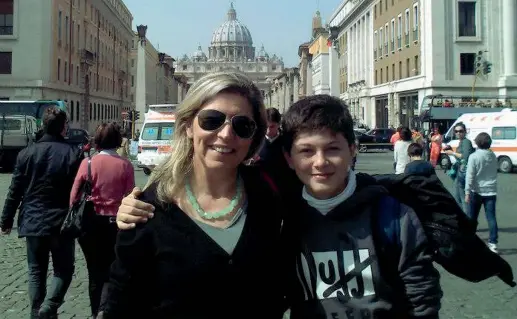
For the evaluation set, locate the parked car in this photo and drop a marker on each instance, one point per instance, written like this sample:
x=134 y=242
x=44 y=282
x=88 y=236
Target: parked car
x=374 y=139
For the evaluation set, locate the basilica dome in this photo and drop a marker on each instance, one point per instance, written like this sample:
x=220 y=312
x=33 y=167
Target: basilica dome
x=232 y=40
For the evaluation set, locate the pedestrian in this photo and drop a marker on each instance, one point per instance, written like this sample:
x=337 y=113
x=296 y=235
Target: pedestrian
x=215 y=233
x=329 y=241
x=417 y=164
x=112 y=177
x=123 y=149
x=481 y=186
x=271 y=156
x=41 y=182
x=436 y=146
x=461 y=154
x=400 y=155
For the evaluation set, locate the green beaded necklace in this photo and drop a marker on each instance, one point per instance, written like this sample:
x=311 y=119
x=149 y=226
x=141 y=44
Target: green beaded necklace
x=228 y=209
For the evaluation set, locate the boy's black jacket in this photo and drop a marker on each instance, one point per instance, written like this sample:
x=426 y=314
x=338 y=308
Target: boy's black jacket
x=450 y=232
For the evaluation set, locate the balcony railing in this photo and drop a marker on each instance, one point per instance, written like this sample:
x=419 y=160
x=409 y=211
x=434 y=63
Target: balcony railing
x=415 y=34
x=406 y=40
x=399 y=42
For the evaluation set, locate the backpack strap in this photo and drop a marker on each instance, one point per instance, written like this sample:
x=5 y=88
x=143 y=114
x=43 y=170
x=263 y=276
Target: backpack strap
x=388 y=218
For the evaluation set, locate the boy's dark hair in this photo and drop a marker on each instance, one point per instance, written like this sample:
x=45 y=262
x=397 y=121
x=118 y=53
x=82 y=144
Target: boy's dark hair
x=273 y=115
x=314 y=113
x=108 y=136
x=54 y=121
x=405 y=134
x=415 y=149
x=483 y=141
x=462 y=125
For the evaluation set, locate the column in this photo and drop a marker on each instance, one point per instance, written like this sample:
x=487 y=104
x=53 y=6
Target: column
x=509 y=34
x=140 y=99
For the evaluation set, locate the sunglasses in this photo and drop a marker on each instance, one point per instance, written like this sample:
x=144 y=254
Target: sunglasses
x=212 y=120
x=459 y=131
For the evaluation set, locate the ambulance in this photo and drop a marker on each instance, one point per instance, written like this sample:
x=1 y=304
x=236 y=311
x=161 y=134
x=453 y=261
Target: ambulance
x=501 y=126
x=155 y=140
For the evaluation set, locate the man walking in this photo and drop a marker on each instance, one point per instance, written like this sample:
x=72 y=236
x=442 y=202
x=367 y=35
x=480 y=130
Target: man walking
x=42 y=179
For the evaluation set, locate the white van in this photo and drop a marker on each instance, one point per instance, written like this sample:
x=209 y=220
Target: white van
x=501 y=126
x=154 y=144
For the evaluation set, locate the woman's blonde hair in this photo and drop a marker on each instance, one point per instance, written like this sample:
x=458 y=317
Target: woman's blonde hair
x=170 y=177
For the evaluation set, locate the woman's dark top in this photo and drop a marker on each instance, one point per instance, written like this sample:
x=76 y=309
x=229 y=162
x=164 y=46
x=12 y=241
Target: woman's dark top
x=170 y=268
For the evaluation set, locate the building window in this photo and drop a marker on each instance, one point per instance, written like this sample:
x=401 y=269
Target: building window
x=376 y=79
x=467 y=61
x=6 y=17
x=132 y=81
x=380 y=7
x=400 y=70
x=375 y=40
x=67 y=35
x=375 y=11
x=417 y=65
x=406 y=29
x=399 y=32
x=381 y=77
x=66 y=71
x=380 y=43
x=392 y=35
x=467 y=18
x=58 y=69
x=387 y=74
x=59 y=26
x=408 y=65
x=393 y=72
x=6 y=62
x=415 y=22
x=386 y=39
x=71 y=74
x=77 y=75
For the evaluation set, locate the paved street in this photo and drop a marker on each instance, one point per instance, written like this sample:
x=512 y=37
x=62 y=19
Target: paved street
x=490 y=299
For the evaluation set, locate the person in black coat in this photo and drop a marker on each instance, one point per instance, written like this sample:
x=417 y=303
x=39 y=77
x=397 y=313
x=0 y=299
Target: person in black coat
x=42 y=179
x=271 y=157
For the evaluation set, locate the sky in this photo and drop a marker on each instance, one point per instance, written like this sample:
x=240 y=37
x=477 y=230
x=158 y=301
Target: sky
x=177 y=27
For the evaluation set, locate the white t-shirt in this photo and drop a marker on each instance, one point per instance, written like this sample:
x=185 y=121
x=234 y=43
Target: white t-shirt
x=400 y=155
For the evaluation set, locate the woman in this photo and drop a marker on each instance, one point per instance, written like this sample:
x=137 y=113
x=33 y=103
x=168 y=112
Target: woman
x=112 y=178
x=400 y=154
x=436 y=147
x=212 y=248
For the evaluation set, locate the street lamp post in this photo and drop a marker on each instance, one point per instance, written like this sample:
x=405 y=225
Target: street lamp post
x=140 y=98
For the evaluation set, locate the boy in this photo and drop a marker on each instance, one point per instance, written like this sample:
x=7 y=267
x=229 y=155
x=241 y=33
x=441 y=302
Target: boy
x=418 y=165
x=336 y=259
x=339 y=265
